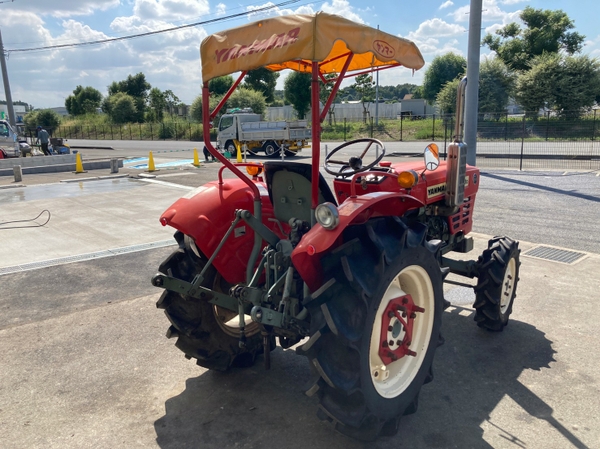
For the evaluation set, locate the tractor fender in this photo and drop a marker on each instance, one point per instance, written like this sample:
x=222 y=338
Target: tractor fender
x=206 y=214
x=318 y=242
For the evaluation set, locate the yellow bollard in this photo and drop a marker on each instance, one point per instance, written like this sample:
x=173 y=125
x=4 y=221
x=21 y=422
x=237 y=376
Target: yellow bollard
x=196 y=160
x=79 y=164
x=151 y=166
x=239 y=153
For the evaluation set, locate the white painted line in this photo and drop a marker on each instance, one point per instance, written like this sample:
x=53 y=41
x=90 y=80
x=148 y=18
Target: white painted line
x=88 y=256
x=168 y=184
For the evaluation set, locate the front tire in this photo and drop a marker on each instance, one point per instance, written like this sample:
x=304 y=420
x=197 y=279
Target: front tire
x=366 y=379
x=497 y=283
x=206 y=332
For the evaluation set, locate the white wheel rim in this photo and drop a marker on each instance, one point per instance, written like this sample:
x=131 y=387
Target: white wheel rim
x=228 y=320
x=508 y=285
x=392 y=380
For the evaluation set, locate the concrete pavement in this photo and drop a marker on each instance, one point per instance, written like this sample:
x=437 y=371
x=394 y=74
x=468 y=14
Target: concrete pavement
x=85 y=361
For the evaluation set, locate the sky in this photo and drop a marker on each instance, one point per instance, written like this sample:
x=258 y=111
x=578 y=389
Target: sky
x=44 y=78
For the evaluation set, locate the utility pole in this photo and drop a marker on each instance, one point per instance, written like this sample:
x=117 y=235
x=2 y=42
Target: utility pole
x=9 y=102
x=472 y=95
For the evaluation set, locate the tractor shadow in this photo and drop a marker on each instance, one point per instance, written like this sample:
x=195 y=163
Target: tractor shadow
x=474 y=371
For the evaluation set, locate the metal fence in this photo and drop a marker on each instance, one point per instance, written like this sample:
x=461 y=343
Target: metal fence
x=503 y=140
x=546 y=141
x=134 y=131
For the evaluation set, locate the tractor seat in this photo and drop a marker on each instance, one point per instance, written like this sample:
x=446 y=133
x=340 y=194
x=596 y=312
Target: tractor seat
x=289 y=186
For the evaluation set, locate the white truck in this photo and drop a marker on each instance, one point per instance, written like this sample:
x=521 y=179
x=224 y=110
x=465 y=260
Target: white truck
x=10 y=142
x=241 y=128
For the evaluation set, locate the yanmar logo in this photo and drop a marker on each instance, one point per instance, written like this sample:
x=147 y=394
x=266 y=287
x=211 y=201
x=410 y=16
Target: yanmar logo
x=258 y=46
x=436 y=190
x=384 y=49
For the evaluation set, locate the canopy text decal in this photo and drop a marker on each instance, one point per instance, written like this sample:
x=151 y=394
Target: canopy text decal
x=258 y=46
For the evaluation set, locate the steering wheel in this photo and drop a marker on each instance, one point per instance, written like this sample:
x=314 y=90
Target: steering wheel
x=355 y=164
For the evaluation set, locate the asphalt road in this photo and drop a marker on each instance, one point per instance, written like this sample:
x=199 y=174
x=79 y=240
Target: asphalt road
x=554 y=208
x=86 y=363
x=576 y=155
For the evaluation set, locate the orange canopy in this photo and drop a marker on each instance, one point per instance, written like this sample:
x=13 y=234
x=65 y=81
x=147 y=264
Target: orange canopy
x=295 y=41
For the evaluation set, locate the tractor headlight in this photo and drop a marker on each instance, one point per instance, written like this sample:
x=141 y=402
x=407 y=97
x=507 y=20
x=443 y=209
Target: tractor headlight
x=408 y=179
x=327 y=216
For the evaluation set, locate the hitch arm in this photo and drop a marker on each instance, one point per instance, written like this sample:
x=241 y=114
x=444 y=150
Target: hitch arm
x=195 y=291
x=269 y=236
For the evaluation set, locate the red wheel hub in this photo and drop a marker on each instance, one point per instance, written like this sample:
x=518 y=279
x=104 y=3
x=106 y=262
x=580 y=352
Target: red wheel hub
x=396 y=329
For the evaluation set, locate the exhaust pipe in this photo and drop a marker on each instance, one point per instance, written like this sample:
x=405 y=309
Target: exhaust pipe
x=457 y=154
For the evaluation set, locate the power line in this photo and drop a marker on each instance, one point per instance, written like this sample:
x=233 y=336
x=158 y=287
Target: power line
x=173 y=22
x=151 y=33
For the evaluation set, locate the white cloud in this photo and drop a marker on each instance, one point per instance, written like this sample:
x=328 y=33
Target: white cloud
x=436 y=37
x=436 y=28
x=512 y=2
x=170 y=10
x=78 y=32
x=400 y=75
x=339 y=7
x=491 y=12
x=61 y=8
x=342 y=8
x=221 y=9
x=446 y=4
x=591 y=47
x=14 y=22
x=168 y=60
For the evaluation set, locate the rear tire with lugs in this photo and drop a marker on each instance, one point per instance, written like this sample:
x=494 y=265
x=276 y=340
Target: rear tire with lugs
x=204 y=331
x=365 y=382
x=497 y=283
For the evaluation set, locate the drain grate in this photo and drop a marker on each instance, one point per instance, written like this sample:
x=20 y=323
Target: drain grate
x=84 y=257
x=555 y=254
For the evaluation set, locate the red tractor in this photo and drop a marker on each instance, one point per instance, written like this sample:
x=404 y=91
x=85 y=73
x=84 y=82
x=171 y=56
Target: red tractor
x=356 y=272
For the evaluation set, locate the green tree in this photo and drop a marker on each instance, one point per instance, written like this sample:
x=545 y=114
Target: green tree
x=171 y=100
x=567 y=84
x=136 y=87
x=84 y=100
x=196 y=108
x=297 y=92
x=446 y=97
x=248 y=98
x=545 y=31
x=578 y=85
x=262 y=80
x=220 y=85
x=122 y=108
x=47 y=118
x=534 y=87
x=157 y=103
x=325 y=91
x=442 y=69
x=496 y=86
x=365 y=88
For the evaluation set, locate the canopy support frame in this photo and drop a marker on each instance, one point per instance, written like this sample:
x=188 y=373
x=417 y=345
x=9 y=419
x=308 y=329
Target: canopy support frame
x=336 y=86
